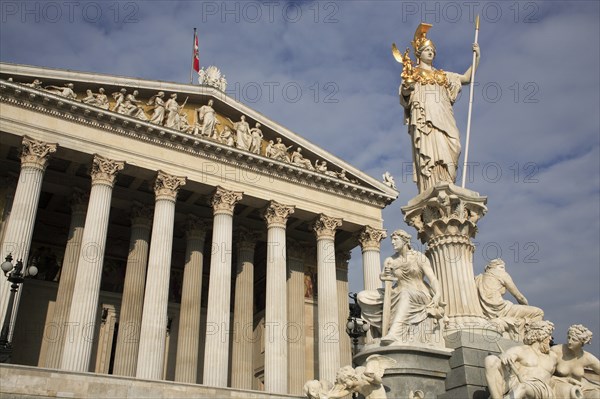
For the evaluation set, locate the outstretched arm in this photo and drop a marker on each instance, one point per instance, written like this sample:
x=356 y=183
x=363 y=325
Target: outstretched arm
x=466 y=77
x=512 y=288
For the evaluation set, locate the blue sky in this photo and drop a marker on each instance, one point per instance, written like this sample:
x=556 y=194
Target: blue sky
x=325 y=70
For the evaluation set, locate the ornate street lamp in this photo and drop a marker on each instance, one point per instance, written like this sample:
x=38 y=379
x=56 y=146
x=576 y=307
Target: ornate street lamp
x=14 y=274
x=356 y=327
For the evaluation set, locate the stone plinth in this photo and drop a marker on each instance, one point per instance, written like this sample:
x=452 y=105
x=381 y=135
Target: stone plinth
x=445 y=217
x=418 y=369
x=466 y=378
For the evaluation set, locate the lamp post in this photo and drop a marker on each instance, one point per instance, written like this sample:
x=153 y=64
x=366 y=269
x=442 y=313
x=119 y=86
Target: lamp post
x=356 y=327
x=14 y=274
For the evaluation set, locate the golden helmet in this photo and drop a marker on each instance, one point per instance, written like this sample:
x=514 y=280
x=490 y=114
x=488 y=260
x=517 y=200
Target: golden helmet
x=420 y=40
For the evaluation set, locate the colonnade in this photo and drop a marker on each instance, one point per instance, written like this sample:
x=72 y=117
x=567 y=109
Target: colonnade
x=140 y=347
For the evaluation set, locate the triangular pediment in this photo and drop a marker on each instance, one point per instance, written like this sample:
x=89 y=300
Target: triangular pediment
x=337 y=175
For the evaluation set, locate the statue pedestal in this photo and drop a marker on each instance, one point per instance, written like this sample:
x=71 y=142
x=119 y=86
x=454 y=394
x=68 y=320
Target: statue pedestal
x=445 y=217
x=466 y=378
x=419 y=368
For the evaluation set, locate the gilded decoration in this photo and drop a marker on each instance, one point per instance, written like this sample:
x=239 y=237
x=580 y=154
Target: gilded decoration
x=35 y=153
x=325 y=226
x=104 y=170
x=370 y=238
x=277 y=214
x=223 y=201
x=167 y=186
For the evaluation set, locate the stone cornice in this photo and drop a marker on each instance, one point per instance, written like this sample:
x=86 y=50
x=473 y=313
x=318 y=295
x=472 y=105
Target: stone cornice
x=77 y=112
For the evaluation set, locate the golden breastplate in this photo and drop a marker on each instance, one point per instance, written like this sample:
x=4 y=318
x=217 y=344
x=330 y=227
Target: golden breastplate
x=427 y=77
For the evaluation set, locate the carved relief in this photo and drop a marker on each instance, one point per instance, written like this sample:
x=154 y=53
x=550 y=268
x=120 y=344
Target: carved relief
x=223 y=201
x=104 y=170
x=35 y=153
x=167 y=186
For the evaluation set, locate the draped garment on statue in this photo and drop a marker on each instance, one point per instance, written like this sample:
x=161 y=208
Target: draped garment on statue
x=435 y=137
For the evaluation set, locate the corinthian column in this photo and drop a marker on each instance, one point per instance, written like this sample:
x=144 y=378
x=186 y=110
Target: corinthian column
x=188 y=338
x=243 y=312
x=156 y=299
x=19 y=229
x=446 y=220
x=342 y=259
x=130 y=318
x=370 y=239
x=84 y=306
x=275 y=338
x=329 y=329
x=66 y=284
x=216 y=353
x=295 y=304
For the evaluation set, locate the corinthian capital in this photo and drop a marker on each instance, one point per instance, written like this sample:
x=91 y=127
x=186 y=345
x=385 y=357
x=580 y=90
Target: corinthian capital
x=79 y=200
x=35 y=153
x=167 y=186
x=141 y=215
x=223 y=201
x=277 y=214
x=195 y=228
x=370 y=238
x=325 y=227
x=104 y=170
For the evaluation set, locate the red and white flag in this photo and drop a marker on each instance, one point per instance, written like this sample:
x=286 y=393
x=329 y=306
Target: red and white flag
x=196 y=62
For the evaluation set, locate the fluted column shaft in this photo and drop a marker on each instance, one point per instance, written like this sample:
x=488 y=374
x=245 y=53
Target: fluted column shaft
x=19 y=229
x=343 y=307
x=84 y=306
x=370 y=239
x=243 y=309
x=153 y=331
x=68 y=272
x=275 y=335
x=188 y=338
x=296 y=325
x=447 y=221
x=130 y=318
x=216 y=353
x=328 y=327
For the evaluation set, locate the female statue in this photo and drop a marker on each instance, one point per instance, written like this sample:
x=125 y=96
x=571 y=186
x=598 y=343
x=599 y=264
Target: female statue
x=427 y=95
x=572 y=360
x=415 y=304
x=158 y=105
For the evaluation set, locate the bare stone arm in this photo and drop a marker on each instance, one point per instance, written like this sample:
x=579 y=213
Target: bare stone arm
x=466 y=77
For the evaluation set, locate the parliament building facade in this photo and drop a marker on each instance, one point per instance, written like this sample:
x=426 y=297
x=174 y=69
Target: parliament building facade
x=179 y=236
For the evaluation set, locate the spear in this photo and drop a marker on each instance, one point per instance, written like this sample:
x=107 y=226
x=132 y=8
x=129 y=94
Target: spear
x=464 y=176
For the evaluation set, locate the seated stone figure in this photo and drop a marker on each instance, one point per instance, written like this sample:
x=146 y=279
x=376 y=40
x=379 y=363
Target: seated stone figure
x=507 y=316
x=569 y=377
x=415 y=303
x=525 y=371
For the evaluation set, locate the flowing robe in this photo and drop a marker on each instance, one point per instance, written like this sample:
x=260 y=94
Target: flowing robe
x=435 y=137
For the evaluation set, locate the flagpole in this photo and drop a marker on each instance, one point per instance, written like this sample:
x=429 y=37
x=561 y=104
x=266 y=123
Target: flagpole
x=464 y=175
x=193 y=58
